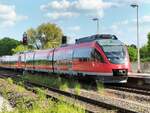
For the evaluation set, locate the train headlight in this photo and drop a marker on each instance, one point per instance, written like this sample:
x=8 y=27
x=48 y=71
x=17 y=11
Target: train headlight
x=120 y=72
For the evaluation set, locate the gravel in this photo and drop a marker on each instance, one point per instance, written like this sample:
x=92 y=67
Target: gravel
x=5 y=104
x=115 y=101
x=143 y=99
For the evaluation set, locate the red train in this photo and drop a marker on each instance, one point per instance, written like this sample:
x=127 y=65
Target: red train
x=102 y=57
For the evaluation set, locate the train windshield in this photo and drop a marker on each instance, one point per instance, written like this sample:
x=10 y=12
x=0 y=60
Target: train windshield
x=115 y=53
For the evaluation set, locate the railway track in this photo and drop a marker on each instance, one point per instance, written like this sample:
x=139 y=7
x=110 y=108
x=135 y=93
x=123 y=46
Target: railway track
x=91 y=105
x=142 y=90
x=87 y=100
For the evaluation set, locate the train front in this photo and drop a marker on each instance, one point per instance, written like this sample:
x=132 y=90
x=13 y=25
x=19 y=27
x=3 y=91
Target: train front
x=117 y=60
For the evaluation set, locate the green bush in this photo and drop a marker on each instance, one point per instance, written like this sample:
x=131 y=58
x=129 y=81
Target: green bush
x=56 y=82
x=132 y=53
x=145 y=59
x=100 y=87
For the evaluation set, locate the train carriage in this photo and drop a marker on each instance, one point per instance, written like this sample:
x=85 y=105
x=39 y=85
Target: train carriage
x=101 y=57
x=42 y=60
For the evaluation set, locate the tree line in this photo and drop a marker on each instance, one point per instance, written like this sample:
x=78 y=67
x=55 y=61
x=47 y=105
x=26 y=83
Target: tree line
x=144 y=51
x=35 y=40
x=6 y=45
x=49 y=35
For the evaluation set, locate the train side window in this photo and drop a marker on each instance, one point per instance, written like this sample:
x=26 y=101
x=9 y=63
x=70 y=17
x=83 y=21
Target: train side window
x=96 y=56
x=83 y=54
x=19 y=59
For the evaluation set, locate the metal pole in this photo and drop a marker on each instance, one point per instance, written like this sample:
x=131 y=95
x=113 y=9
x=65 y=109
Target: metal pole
x=97 y=22
x=138 y=44
x=97 y=26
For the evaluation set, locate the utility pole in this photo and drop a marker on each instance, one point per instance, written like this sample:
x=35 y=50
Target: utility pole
x=138 y=43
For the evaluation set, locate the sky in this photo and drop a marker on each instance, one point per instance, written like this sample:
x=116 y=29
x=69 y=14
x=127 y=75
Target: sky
x=74 y=17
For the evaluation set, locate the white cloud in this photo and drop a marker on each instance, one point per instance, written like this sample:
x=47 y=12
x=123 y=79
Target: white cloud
x=117 y=27
x=64 y=4
x=74 y=28
x=57 y=5
x=128 y=2
x=82 y=7
x=8 y=15
x=7 y=24
x=126 y=30
x=92 y=4
x=21 y=17
x=94 y=8
x=58 y=15
x=125 y=22
x=145 y=19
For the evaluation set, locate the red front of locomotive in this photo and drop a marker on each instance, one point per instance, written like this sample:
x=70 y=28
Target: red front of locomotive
x=115 y=58
x=116 y=63
x=106 y=59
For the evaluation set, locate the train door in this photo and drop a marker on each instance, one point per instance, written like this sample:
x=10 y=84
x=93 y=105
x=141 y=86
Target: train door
x=19 y=62
x=29 y=60
x=81 y=60
x=97 y=62
x=62 y=61
x=22 y=61
x=68 y=57
x=50 y=60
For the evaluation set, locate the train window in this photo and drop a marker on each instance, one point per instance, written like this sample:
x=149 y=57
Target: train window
x=41 y=56
x=63 y=54
x=22 y=58
x=82 y=53
x=19 y=59
x=29 y=57
x=69 y=54
x=49 y=57
x=96 y=56
x=115 y=53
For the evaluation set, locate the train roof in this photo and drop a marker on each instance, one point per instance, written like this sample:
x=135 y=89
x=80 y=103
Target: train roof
x=102 y=39
x=96 y=37
x=109 y=42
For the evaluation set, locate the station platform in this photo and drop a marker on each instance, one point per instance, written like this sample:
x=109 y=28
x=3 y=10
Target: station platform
x=138 y=77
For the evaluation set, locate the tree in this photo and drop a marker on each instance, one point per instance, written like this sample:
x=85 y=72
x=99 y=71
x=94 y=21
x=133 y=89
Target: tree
x=32 y=38
x=6 y=45
x=134 y=46
x=144 y=52
x=148 y=43
x=20 y=48
x=132 y=53
x=52 y=36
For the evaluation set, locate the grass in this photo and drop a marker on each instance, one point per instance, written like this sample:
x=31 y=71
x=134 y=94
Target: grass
x=9 y=80
x=16 y=94
x=100 y=87
x=64 y=86
x=56 y=82
x=27 y=102
x=77 y=88
x=49 y=81
x=52 y=81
